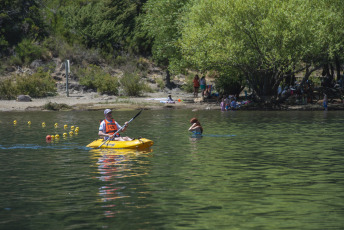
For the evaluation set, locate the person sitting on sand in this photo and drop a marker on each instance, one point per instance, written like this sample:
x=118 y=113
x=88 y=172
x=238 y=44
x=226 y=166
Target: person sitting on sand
x=169 y=99
x=108 y=127
x=196 y=127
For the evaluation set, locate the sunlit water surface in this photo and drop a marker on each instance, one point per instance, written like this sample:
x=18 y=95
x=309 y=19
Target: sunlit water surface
x=250 y=170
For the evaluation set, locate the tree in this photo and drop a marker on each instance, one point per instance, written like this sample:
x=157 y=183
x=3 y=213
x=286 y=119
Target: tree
x=20 y=19
x=103 y=24
x=264 y=39
x=162 y=20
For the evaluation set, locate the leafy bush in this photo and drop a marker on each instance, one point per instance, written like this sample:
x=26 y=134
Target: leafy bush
x=8 y=89
x=142 y=64
x=160 y=83
x=230 y=83
x=93 y=77
x=132 y=84
x=56 y=106
x=108 y=84
x=188 y=86
x=27 y=51
x=39 y=84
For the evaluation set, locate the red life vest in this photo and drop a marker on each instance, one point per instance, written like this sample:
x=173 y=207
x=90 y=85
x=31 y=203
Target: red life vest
x=111 y=127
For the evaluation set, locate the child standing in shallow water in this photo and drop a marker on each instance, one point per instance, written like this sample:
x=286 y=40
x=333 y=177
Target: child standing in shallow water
x=196 y=126
x=223 y=104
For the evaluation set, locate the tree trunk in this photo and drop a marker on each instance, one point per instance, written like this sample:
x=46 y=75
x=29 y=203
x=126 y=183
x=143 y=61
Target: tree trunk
x=337 y=68
x=168 y=79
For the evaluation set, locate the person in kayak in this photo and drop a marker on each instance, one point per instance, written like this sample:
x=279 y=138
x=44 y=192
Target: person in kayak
x=196 y=127
x=108 y=127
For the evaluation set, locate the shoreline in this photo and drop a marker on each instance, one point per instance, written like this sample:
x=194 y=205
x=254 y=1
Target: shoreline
x=94 y=101
x=150 y=101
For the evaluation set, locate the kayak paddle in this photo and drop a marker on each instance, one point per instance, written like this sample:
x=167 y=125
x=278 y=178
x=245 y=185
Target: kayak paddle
x=121 y=128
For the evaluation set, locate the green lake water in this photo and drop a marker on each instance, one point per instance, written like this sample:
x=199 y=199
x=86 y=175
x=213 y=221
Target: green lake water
x=250 y=170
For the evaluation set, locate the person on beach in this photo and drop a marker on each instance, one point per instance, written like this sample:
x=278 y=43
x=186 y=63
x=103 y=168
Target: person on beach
x=233 y=104
x=169 y=99
x=223 y=104
x=196 y=127
x=196 y=85
x=227 y=102
x=325 y=101
x=108 y=128
x=203 y=84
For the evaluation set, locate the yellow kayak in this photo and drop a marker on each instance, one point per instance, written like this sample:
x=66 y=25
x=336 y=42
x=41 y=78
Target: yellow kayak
x=140 y=143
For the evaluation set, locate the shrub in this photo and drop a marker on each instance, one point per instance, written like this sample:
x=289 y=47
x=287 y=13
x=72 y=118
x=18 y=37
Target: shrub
x=108 y=84
x=188 y=86
x=27 y=51
x=142 y=64
x=132 y=84
x=160 y=83
x=8 y=89
x=94 y=77
x=56 y=106
x=39 y=84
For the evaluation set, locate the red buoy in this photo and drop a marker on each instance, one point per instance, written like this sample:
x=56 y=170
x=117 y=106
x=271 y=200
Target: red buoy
x=48 y=138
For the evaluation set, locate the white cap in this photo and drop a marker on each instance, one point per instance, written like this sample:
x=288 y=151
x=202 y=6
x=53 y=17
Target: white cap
x=106 y=111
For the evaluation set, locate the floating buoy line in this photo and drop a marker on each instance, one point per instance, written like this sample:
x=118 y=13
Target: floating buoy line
x=74 y=130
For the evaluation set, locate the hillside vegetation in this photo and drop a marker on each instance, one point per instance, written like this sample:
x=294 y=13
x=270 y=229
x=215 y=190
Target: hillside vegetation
x=259 y=45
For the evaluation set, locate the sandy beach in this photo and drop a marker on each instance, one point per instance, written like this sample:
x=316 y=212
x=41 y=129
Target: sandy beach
x=95 y=101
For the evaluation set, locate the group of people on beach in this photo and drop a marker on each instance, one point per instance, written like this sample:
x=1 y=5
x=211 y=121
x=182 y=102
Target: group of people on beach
x=200 y=83
x=228 y=103
x=109 y=129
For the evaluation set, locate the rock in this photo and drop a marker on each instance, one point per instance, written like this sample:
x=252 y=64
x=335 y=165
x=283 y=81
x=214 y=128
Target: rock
x=24 y=98
x=36 y=63
x=10 y=69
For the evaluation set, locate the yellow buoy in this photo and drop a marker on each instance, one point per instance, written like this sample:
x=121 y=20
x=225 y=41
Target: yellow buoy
x=43 y=124
x=57 y=136
x=65 y=126
x=29 y=122
x=15 y=122
x=71 y=133
x=77 y=128
x=56 y=125
x=64 y=134
x=52 y=137
x=72 y=127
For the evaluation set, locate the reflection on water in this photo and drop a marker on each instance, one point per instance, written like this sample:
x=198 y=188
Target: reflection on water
x=249 y=170
x=115 y=167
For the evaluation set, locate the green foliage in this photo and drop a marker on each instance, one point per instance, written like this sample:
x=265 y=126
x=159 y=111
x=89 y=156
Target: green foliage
x=132 y=84
x=160 y=83
x=94 y=77
x=103 y=24
x=228 y=85
x=20 y=20
x=27 y=51
x=55 y=106
x=39 y=84
x=263 y=39
x=161 y=21
x=188 y=86
x=142 y=64
x=8 y=89
x=108 y=84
